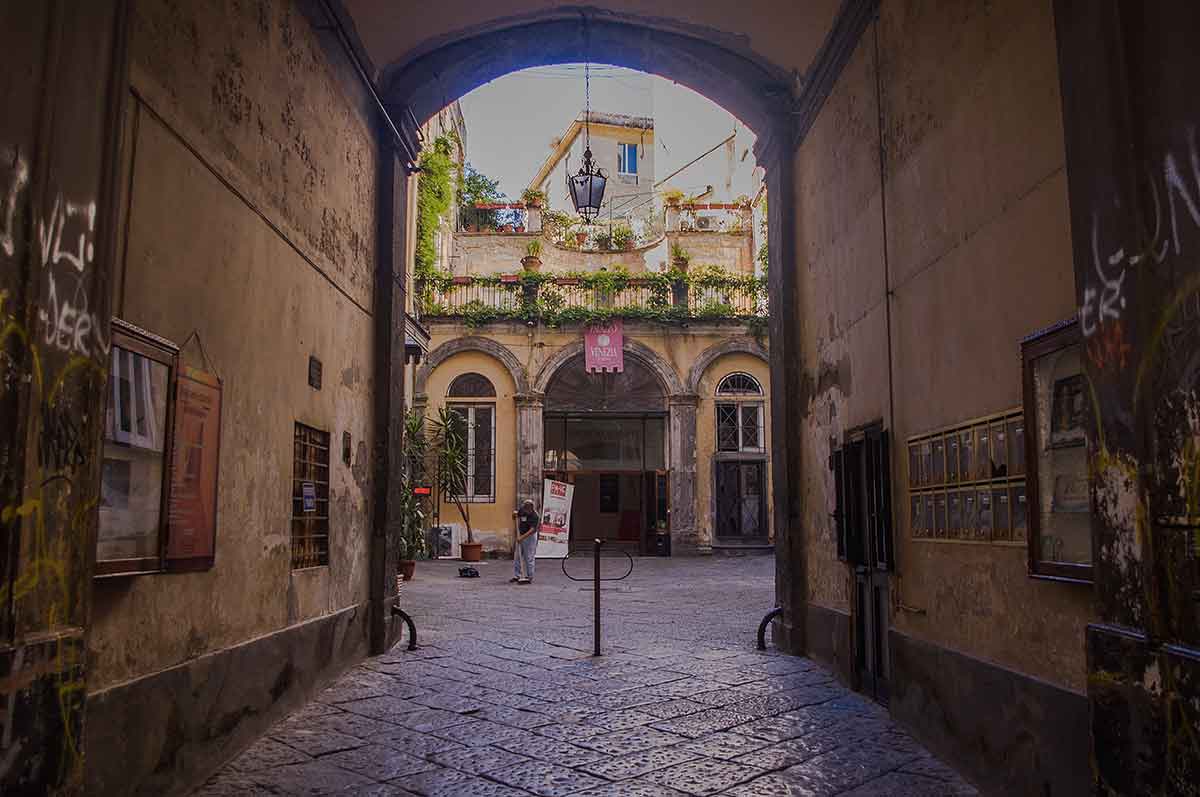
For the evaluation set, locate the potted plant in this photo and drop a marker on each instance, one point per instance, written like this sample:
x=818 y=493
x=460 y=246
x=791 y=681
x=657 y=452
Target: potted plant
x=533 y=255
x=604 y=240
x=673 y=197
x=533 y=198
x=679 y=258
x=448 y=445
x=580 y=237
x=622 y=238
x=411 y=544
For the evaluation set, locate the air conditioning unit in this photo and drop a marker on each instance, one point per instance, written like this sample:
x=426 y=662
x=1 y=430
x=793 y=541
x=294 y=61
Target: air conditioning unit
x=706 y=223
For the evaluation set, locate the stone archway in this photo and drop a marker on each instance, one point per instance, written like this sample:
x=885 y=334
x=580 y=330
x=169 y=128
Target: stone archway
x=471 y=343
x=713 y=353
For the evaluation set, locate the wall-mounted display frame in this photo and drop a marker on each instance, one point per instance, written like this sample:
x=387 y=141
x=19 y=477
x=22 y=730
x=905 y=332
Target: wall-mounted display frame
x=965 y=480
x=1058 y=508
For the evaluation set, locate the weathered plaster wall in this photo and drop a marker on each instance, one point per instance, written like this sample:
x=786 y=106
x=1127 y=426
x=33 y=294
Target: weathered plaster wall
x=532 y=348
x=242 y=99
x=501 y=253
x=973 y=214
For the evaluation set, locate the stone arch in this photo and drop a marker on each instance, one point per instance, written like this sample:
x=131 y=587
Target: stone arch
x=473 y=343
x=724 y=68
x=717 y=351
x=651 y=359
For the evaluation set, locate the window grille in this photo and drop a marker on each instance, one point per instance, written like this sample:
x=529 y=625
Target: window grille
x=310 y=498
x=480 y=434
x=739 y=421
x=739 y=385
x=471 y=385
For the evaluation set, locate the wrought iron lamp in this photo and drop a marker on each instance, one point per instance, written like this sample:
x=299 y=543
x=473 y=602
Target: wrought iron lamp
x=587 y=186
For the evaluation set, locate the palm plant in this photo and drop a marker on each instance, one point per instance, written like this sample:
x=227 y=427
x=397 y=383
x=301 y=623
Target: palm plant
x=448 y=449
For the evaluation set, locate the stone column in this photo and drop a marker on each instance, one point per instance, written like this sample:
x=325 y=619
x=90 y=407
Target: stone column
x=530 y=448
x=682 y=439
x=533 y=219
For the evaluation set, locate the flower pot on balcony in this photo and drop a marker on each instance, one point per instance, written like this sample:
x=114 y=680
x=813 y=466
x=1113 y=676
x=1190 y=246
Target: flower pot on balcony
x=510 y=279
x=680 y=263
x=407 y=568
x=461 y=280
x=472 y=551
x=519 y=228
x=580 y=238
x=506 y=228
x=531 y=263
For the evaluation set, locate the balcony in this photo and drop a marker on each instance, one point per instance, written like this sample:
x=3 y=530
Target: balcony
x=708 y=294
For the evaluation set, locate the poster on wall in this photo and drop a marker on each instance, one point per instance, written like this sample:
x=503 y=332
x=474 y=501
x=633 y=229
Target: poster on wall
x=554 y=534
x=192 y=501
x=604 y=347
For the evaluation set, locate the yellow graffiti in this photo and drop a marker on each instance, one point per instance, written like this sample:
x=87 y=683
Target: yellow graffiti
x=47 y=560
x=1189 y=287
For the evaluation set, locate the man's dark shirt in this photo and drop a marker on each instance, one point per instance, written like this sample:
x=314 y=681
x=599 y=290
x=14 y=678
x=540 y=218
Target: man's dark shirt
x=527 y=521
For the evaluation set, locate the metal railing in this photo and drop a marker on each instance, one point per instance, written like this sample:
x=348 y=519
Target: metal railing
x=512 y=298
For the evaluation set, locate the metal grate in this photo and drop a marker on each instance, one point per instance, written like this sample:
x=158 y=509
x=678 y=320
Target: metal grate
x=310 y=498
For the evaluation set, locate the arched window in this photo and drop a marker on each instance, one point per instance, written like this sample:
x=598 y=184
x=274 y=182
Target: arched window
x=739 y=384
x=740 y=414
x=471 y=385
x=472 y=397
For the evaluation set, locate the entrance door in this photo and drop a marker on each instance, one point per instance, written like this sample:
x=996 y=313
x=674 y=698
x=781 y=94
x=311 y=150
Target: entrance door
x=861 y=475
x=741 y=500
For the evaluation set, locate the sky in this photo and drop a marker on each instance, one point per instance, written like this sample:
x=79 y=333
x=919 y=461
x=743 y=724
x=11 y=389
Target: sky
x=512 y=121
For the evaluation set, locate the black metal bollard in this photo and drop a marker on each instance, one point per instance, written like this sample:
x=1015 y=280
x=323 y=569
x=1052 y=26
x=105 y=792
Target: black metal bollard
x=596 y=607
x=762 y=627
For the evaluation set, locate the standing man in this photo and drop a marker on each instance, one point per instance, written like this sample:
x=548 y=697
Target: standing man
x=526 y=528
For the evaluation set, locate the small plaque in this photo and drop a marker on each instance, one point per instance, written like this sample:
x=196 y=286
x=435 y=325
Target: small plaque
x=308 y=494
x=314 y=373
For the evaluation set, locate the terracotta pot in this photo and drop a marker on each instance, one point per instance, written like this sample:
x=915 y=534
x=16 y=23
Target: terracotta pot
x=681 y=264
x=407 y=567
x=580 y=238
x=531 y=263
x=472 y=551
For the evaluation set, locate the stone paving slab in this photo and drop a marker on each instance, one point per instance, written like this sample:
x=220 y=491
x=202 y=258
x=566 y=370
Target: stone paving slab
x=509 y=702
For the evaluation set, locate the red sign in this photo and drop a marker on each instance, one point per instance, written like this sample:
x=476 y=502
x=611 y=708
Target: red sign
x=603 y=347
x=422 y=491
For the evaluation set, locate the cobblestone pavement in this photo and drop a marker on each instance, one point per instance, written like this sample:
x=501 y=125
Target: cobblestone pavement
x=504 y=700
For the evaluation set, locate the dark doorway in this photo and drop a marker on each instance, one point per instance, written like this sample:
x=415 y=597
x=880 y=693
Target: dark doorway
x=741 y=501
x=861 y=475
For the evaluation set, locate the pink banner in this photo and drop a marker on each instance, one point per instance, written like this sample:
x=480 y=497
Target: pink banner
x=603 y=347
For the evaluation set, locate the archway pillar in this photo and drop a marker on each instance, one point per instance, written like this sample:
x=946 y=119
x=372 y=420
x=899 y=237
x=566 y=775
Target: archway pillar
x=531 y=447
x=777 y=155
x=681 y=433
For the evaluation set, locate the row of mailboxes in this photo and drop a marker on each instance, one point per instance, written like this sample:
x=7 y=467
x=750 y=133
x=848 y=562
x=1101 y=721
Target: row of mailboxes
x=991 y=448
x=989 y=513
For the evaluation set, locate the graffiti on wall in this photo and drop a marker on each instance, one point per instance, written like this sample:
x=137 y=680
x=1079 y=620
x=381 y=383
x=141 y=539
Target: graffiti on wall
x=58 y=370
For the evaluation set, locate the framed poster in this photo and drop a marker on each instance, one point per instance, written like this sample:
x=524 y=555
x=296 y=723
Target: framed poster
x=196 y=449
x=1058 y=512
x=554 y=534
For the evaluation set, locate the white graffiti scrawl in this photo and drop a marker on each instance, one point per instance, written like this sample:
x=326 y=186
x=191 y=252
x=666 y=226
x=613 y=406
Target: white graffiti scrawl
x=70 y=217
x=8 y=211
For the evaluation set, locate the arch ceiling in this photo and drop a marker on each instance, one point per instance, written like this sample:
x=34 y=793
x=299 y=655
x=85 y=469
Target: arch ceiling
x=742 y=56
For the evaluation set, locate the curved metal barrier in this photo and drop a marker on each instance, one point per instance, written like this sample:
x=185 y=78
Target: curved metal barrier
x=596 y=579
x=762 y=627
x=403 y=615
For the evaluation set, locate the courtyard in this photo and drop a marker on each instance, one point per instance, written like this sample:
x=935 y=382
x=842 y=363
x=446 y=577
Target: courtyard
x=503 y=698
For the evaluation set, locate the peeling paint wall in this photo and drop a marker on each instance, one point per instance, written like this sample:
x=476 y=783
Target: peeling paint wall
x=251 y=222
x=965 y=222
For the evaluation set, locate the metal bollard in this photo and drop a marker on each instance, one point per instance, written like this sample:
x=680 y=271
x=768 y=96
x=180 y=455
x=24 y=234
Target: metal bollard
x=762 y=627
x=596 y=607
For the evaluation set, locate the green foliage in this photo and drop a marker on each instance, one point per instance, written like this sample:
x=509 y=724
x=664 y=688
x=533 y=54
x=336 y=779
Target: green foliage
x=534 y=248
x=764 y=259
x=477 y=187
x=533 y=197
x=679 y=255
x=541 y=297
x=672 y=196
x=622 y=236
x=434 y=198
x=412 y=508
x=447 y=449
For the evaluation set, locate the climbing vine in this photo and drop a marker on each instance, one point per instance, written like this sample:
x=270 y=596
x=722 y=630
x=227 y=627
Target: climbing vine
x=435 y=195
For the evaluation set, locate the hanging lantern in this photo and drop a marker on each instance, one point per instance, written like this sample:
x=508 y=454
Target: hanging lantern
x=587 y=186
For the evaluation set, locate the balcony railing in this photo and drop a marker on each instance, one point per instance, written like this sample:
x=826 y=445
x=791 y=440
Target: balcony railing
x=556 y=300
